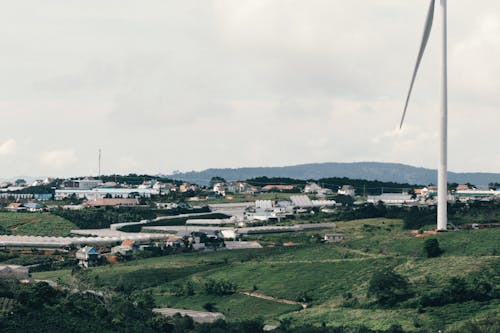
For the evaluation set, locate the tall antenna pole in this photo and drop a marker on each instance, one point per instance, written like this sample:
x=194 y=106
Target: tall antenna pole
x=442 y=220
x=99 y=162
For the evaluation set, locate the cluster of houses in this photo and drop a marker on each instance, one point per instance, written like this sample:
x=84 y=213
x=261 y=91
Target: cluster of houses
x=265 y=210
x=93 y=189
x=20 y=184
x=428 y=195
x=17 y=190
x=28 y=207
x=89 y=256
x=90 y=189
x=97 y=193
x=238 y=187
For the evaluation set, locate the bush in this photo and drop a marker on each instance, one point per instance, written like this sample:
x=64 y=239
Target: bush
x=219 y=288
x=432 y=249
x=388 y=288
x=459 y=290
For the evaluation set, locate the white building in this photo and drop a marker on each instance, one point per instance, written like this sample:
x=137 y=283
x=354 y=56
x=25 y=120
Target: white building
x=220 y=189
x=396 y=199
x=324 y=203
x=347 y=190
x=100 y=193
x=472 y=195
x=263 y=204
x=312 y=188
x=301 y=201
x=82 y=184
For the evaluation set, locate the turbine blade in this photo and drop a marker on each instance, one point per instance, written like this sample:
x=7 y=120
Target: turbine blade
x=423 y=44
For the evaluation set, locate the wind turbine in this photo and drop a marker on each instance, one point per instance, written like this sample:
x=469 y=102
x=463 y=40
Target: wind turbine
x=442 y=220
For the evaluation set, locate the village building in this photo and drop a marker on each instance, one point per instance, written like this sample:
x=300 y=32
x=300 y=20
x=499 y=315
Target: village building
x=87 y=256
x=395 y=199
x=333 y=238
x=15 y=207
x=127 y=248
x=175 y=242
x=301 y=201
x=81 y=184
x=475 y=195
x=112 y=202
x=34 y=207
x=234 y=188
x=312 y=188
x=187 y=187
x=347 y=190
x=101 y=192
x=281 y=188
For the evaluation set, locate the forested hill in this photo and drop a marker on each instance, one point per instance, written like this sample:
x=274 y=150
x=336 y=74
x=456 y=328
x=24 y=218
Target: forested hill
x=389 y=172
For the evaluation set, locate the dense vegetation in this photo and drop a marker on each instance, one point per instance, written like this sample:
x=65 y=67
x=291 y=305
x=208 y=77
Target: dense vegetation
x=41 y=308
x=362 y=186
x=37 y=260
x=366 y=187
x=172 y=221
x=413 y=217
x=135 y=179
x=263 y=181
x=98 y=218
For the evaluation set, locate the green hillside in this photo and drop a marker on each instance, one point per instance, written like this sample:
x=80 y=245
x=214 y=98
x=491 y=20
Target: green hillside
x=34 y=224
x=332 y=279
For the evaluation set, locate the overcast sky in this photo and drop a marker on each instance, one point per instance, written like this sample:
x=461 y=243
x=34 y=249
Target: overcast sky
x=188 y=85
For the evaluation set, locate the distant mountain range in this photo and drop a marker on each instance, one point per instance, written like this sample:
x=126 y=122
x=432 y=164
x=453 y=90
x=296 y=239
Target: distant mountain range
x=390 y=172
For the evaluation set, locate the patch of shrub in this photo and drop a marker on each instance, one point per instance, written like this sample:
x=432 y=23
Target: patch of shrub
x=219 y=288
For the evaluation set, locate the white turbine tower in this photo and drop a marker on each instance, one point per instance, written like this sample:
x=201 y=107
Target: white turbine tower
x=443 y=137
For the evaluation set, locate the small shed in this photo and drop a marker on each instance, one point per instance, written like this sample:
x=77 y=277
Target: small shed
x=175 y=242
x=87 y=256
x=229 y=234
x=333 y=238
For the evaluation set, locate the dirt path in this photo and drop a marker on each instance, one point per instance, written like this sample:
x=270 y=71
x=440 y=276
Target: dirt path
x=274 y=299
x=322 y=261
x=364 y=254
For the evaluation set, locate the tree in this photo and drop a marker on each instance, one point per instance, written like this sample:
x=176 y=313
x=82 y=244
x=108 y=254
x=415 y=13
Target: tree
x=388 y=288
x=432 y=249
x=216 y=180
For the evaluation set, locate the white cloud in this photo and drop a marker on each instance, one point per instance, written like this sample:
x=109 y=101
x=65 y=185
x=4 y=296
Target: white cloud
x=58 y=159
x=7 y=147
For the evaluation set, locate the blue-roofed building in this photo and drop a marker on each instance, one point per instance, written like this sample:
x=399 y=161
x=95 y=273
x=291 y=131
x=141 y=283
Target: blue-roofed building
x=87 y=256
x=44 y=196
x=34 y=207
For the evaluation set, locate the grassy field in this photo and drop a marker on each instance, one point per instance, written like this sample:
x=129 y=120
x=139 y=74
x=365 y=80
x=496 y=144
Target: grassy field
x=234 y=307
x=35 y=224
x=319 y=274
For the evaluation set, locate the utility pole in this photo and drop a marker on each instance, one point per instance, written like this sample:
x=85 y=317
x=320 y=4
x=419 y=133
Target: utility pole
x=99 y=172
